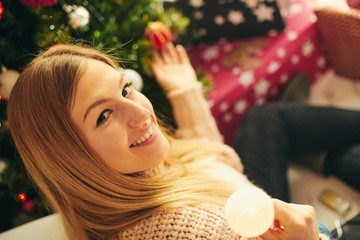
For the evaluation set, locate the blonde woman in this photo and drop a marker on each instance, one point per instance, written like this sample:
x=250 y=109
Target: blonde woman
x=94 y=147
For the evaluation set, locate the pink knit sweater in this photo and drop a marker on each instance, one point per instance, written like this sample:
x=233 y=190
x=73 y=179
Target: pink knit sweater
x=194 y=120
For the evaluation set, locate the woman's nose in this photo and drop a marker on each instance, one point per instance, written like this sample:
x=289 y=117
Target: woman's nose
x=137 y=114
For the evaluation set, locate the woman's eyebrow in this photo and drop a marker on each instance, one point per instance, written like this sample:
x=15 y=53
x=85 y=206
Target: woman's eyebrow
x=101 y=101
x=95 y=104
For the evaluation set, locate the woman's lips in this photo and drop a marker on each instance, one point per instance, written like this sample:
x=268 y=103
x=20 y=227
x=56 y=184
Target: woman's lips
x=147 y=138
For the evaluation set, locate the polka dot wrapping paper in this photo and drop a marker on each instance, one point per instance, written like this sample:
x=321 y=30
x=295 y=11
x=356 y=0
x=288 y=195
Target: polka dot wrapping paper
x=212 y=20
x=251 y=71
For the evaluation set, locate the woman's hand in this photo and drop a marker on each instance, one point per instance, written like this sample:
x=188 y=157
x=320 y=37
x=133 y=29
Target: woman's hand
x=297 y=221
x=172 y=67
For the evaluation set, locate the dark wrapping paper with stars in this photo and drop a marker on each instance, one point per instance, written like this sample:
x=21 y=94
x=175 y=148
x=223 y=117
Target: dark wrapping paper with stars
x=212 y=20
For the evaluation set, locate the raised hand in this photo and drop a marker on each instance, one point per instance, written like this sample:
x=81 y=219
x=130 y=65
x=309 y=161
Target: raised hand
x=172 y=67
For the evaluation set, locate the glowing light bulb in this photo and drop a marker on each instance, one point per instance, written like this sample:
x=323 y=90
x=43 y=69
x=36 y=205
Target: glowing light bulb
x=249 y=212
x=22 y=197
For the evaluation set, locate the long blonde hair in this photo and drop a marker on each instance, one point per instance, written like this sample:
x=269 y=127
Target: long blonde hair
x=94 y=201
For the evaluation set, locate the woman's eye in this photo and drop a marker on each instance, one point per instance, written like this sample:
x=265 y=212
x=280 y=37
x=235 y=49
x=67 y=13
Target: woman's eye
x=127 y=89
x=103 y=117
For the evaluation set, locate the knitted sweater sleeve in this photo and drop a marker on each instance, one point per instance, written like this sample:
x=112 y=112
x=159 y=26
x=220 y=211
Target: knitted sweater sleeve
x=194 y=120
x=186 y=223
x=190 y=222
x=192 y=113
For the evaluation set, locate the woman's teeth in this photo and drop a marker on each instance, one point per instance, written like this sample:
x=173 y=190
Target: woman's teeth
x=146 y=136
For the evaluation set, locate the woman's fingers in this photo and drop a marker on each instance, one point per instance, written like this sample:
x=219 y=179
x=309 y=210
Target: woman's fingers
x=169 y=54
x=170 y=48
x=184 y=58
x=172 y=68
x=297 y=222
x=156 y=57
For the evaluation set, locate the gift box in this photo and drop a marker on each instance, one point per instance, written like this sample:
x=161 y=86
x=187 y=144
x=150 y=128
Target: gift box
x=339 y=29
x=212 y=20
x=252 y=71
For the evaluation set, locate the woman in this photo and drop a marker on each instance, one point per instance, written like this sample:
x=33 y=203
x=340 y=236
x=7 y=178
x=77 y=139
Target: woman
x=94 y=147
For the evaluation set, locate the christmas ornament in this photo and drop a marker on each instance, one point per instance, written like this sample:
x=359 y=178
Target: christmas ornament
x=135 y=78
x=158 y=34
x=38 y=3
x=7 y=81
x=28 y=206
x=249 y=212
x=79 y=17
x=1 y=10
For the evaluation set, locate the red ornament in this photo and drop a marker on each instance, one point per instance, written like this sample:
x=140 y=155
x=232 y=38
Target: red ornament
x=29 y=206
x=1 y=10
x=39 y=3
x=158 y=34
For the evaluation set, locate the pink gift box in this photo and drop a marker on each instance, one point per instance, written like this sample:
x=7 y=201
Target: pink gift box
x=252 y=71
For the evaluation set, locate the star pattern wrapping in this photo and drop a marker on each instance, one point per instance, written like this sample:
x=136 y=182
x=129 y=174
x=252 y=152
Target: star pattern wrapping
x=264 y=13
x=219 y=20
x=251 y=3
x=196 y=3
x=247 y=78
x=211 y=53
x=213 y=20
x=235 y=17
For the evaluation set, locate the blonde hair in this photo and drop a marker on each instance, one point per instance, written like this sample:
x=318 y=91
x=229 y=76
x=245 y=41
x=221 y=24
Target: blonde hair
x=94 y=201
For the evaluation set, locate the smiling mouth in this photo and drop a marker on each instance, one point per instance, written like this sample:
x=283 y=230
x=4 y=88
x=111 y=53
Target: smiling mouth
x=144 y=138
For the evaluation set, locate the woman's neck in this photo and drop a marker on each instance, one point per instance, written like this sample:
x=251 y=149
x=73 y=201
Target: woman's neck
x=152 y=171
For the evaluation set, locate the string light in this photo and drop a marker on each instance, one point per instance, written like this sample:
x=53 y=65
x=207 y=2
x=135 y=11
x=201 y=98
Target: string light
x=22 y=197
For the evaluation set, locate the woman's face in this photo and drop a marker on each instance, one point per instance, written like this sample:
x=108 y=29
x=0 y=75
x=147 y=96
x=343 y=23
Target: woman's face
x=118 y=122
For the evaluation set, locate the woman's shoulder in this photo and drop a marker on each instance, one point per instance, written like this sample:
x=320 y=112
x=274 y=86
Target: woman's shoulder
x=189 y=222
x=230 y=157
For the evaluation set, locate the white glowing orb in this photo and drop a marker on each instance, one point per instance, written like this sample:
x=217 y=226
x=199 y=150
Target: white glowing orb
x=249 y=212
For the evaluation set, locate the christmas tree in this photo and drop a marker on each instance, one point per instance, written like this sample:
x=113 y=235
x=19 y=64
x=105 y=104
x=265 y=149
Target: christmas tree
x=28 y=26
